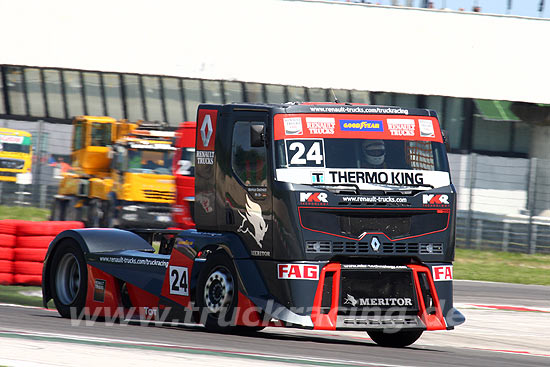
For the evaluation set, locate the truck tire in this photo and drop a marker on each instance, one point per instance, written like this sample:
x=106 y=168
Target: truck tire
x=45 y=228
x=111 y=215
x=68 y=279
x=26 y=279
x=29 y=254
x=6 y=278
x=42 y=242
x=7 y=240
x=58 y=210
x=7 y=266
x=72 y=213
x=9 y=226
x=217 y=293
x=7 y=253
x=27 y=267
x=95 y=214
x=399 y=339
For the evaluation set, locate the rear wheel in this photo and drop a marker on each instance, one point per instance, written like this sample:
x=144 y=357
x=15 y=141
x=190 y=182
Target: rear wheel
x=68 y=279
x=217 y=293
x=398 y=339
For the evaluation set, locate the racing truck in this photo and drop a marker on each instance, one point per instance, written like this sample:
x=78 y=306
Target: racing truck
x=15 y=155
x=184 y=175
x=325 y=216
x=121 y=174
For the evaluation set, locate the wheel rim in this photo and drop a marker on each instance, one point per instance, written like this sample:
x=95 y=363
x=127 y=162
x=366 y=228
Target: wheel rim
x=218 y=290
x=67 y=279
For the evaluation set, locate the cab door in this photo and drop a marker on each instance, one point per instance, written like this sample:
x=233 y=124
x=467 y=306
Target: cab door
x=248 y=200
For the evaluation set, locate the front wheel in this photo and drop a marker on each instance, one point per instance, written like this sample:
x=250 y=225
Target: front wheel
x=110 y=215
x=58 y=210
x=95 y=214
x=68 y=279
x=73 y=210
x=217 y=293
x=397 y=339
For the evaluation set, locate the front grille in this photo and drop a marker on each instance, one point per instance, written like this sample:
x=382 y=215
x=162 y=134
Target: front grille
x=12 y=163
x=355 y=223
x=393 y=226
x=361 y=248
x=399 y=248
x=158 y=195
x=8 y=174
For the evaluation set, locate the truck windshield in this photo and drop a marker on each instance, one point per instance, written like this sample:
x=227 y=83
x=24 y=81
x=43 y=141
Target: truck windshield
x=16 y=148
x=150 y=161
x=362 y=153
x=362 y=162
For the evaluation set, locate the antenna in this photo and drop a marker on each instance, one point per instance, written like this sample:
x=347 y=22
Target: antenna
x=334 y=95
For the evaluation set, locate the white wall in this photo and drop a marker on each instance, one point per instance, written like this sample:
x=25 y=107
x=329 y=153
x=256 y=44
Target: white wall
x=316 y=44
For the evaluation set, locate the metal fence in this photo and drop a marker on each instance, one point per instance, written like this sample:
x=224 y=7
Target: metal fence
x=503 y=203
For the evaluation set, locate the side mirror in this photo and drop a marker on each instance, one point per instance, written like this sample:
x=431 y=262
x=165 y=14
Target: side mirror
x=257 y=135
x=446 y=140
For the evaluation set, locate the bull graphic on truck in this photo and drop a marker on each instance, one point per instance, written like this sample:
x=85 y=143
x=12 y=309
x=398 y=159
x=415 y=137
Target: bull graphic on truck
x=253 y=219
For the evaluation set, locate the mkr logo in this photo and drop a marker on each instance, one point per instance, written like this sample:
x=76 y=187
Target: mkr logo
x=313 y=197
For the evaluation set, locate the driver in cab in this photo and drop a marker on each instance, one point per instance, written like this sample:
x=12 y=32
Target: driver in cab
x=374 y=154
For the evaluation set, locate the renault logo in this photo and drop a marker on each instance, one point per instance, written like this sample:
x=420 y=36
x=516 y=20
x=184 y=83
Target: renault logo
x=375 y=244
x=206 y=130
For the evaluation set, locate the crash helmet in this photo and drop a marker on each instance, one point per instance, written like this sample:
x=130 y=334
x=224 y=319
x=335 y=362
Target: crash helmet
x=374 y=152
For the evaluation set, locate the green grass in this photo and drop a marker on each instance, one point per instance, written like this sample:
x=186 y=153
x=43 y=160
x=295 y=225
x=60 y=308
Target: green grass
x=23 y=212
x=17 y=295
x=502 y=267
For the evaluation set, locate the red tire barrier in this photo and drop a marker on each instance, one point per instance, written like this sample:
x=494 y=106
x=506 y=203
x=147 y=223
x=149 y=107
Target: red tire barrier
x=7 y=240
x=27 y=267
x=46 y=228
x=6 y=266
x=6 y=278
x=29 y=254
x=7 y=253
x=25 y=279
x=9 y=226
x=34 y=241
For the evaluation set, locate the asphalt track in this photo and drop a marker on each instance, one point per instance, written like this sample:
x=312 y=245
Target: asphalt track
x=489 y=338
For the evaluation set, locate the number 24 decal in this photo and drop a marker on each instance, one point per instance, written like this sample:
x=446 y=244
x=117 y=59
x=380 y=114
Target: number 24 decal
x=179 y=280
x=305 y=152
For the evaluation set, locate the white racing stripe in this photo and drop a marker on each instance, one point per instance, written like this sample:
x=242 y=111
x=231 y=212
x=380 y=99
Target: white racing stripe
x=112 y=342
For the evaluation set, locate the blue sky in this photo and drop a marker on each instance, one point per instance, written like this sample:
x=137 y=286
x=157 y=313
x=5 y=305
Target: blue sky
x=529 y=8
